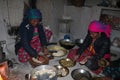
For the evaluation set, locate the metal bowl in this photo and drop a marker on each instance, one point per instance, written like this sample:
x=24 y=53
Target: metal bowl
x=44 y=72
x=81 y=74
x=102 y=62
x=67 y=43
x=67 y=62
x=62 y=71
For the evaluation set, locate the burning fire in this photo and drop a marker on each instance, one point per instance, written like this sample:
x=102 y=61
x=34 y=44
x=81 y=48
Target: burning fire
x=3 y=71
x=1 y=77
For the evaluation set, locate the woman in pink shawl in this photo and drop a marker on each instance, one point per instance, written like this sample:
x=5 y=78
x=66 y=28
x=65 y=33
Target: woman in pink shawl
x=96 y=46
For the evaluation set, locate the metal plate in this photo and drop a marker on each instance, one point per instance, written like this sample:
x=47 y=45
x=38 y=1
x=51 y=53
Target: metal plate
x=66 y=62
x=57 y=51
x=80 y=74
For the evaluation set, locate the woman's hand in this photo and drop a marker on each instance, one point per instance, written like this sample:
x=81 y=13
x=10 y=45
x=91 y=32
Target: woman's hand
x=85 y=60
x=45 y=50
x=75 y=58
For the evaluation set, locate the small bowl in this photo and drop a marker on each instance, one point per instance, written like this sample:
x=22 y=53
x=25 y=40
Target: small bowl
x=81 y=74
x=62 y=71
x=67 y=43
x=67 y=62
x=102 y=62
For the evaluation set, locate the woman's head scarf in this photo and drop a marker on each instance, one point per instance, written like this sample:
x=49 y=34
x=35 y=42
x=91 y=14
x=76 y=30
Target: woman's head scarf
x=34 y=14
x=97 y=26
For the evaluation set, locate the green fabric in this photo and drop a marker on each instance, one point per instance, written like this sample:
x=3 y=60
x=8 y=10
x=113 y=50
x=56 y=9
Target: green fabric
x=34 y=14
x=35 y=34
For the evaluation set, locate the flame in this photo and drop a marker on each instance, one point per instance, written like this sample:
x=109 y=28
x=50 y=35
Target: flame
x=3 y=71
x=1 y=77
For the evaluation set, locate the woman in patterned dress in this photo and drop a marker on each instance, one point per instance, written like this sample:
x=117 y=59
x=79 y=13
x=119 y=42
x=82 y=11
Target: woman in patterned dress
x=33 y=36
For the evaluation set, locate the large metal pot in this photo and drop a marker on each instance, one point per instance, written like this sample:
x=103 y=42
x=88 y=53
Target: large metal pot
x=44 y=72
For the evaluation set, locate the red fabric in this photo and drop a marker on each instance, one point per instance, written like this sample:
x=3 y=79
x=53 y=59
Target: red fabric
x=88 y=52
x=72 y=53
x=35 y=44
x=98 y=70
x=48 y=34
x=107 y=56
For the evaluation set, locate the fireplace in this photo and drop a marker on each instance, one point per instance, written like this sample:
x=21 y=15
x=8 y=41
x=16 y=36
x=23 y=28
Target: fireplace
x=4 y=71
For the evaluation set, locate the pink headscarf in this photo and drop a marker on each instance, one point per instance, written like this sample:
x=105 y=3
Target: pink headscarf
x=96 y=26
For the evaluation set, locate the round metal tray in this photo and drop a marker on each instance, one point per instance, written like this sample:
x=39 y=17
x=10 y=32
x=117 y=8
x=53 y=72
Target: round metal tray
x=81 y=74
x=67 y=62
x=56 y=51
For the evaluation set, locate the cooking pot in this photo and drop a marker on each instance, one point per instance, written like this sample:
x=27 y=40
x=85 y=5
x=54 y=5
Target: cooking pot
x=67 y=43
x=79 y=42
x=43 y=72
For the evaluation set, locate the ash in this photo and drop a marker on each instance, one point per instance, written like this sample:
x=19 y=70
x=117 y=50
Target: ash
x=18 y=70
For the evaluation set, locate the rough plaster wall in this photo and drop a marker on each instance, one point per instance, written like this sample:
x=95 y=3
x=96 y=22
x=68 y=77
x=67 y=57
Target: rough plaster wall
x=11 y=12
x=2 y=26
x=80 y=20
x=46 y=8
x=58 y=13
x=26 y=2
x=15 y=11
x=51 y=10
x=96 y=12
